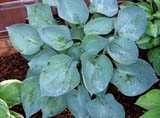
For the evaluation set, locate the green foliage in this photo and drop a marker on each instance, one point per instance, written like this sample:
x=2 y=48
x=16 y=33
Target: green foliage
x=151 y=102
x=9 y=97
x=72 y=65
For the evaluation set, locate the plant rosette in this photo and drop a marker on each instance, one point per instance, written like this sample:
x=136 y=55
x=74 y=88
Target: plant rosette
x=73 y=61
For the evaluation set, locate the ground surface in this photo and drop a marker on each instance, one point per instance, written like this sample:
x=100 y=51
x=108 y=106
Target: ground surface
x=15 y=67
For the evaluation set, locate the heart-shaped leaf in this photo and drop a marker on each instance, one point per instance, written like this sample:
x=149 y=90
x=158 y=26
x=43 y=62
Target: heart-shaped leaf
x=100 y=25
x=95 y=41
x=106 y=7
x=54 y=106
x=10 y=92
x=58 y=37
x=77 y=101
x=40 y=60
x=40 y=15
x=122 y=50
x=4 y=110
x=24 y=38
x=59 y=76
x=135 y=78
x=31 y=96
x=96 y=72
x=131 y=23
x=73 y=11
x=107 y=107
x=150 y=100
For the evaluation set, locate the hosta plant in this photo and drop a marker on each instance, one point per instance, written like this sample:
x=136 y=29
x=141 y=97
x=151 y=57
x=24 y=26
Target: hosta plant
x=151 y=38
x=73 y=59
x=9 y=97
x=151 y=102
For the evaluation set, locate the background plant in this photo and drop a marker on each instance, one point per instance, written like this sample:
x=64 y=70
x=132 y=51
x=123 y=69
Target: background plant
x=9 y=97
x=150 y=101
x=151 y=38
x=71 y=63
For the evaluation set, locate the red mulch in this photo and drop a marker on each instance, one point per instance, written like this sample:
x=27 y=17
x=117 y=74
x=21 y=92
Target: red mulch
x=15 y=67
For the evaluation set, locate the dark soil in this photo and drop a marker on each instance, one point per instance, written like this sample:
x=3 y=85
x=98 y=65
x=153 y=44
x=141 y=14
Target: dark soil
x=15 y=67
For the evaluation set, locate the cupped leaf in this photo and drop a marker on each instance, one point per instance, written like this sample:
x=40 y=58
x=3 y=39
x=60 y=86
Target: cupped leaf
x=106 y=7
x=154 y=58
x=58 y=37
x=77 y=33
x=150 y=100
x=4 y=110
x=135 y=78
x=96 y=72
x=31 y=96
x=10 y=92
x=25 y=38
x=59 y=76
x=100 y=25
x=15 y=114
x=40 y=15
x=107 y=107
x=154 y=113
x=75 y=51
x=122 y=50
x=131 y=23
x=73 y=11
x=157 y=22
x=40 y=60
x=93 y=44
x=50 y=2
x=77 y=101
x=54 y=106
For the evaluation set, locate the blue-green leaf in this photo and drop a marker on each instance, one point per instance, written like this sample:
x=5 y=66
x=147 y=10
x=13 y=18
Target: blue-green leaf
x=40 y=60
x=54 y=106
x=31 y=96
x=150 y=100
x=77 y=33
x=107 y=107
x=93 y=44
x=100 y=25
x=10 y=92
x=75 y=51
x=135 y=78
x=4 y=110
x=30 y=73
x=50 y=2
x=122 y=50
x=96 y=72
x=25 y=38
x=40 y=15
x=77 y=101
x=131 y=23
x=73 y=11
x=59 y=76
x=106 y=7
x=58 y=37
